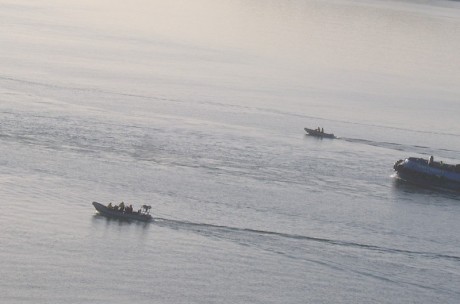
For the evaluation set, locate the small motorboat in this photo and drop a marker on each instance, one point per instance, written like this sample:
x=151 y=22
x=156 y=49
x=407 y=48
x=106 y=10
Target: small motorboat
x=319 y=133
x=428 y=173
x=142 y=214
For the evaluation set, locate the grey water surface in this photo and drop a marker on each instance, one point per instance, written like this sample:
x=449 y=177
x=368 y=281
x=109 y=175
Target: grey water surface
x=198 y=108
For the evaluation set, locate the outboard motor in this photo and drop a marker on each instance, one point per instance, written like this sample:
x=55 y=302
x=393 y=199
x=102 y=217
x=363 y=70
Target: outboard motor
x=398 y=165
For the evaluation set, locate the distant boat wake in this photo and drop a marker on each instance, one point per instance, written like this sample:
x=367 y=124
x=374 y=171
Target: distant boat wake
x=248 y=236
x=400 y=147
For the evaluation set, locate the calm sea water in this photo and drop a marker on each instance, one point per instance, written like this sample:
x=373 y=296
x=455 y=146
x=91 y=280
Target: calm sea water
x=198 y=108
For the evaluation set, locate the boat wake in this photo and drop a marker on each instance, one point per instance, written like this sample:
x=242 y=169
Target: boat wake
x=248 y=236
x=424 y=150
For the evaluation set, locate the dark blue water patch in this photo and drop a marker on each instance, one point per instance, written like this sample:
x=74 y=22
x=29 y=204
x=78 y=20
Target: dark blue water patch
x=408 y=187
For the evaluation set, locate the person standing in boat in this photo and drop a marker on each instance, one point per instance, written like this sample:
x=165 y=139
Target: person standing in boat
x=121 y=206
x=430 y=161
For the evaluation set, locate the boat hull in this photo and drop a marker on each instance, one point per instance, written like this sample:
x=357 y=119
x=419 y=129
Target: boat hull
x=318 y=134
x=419 y=171
x=103 y=210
